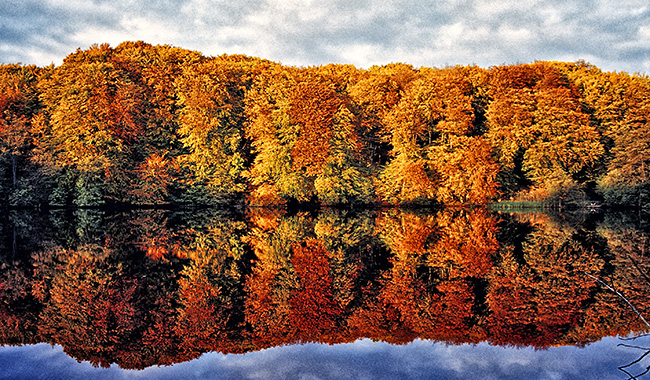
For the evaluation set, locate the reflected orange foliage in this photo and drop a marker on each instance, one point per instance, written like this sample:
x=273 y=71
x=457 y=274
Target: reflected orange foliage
x=90 y=300
x=541 y=300
x=266 y=308
x=314 y=313
x=205 y=314
x=278 y=278
x=468 y=240
x=154 y=238
x=379 y=320
x=435 y=257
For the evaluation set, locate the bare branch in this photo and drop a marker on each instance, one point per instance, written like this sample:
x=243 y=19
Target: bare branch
x=621 y=296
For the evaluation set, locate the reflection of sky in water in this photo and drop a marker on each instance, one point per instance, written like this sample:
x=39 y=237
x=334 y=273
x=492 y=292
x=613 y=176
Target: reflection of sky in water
x=363 y=359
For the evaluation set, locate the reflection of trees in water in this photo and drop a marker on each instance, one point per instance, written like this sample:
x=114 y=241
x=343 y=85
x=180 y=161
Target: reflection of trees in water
x=152 y=287
x=87 y=297
x=629 y=284
x=210 y=291
x=541 y=300
x=434 y=280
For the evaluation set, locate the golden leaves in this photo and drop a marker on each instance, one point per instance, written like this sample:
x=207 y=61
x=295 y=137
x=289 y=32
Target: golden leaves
x=333 y=134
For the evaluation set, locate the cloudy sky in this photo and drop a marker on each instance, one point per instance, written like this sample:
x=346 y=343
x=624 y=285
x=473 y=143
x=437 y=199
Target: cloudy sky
x=611 y=34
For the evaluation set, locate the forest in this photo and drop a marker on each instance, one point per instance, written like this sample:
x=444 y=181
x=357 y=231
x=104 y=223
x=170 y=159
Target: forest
x=139 y=124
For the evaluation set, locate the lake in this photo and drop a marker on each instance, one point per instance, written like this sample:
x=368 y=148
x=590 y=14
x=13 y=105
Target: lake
x=323 y=294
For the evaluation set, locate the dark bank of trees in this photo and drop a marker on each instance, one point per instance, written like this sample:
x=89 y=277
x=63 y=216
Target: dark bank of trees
x=142 y=124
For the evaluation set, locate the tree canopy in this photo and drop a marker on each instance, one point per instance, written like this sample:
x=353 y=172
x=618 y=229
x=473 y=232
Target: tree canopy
x=143 y=124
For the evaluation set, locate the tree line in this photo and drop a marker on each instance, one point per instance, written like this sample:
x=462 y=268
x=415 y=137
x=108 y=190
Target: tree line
x=148 y=125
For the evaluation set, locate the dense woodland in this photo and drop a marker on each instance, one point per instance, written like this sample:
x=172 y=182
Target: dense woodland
x=150 y=125
x=151 y=287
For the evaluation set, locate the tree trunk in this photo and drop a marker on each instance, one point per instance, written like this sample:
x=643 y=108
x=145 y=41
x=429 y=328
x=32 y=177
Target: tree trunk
x=14 y=166
x=14 y=245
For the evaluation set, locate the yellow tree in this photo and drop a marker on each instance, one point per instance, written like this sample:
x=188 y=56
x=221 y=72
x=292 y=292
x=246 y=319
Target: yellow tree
x=211 y=96
x=566 y=144
x=156 y=152
x=510 y=120
x=312 y=107
x=272 y=136
x=435 y=144
x=466 y=170
x=305 y=137
x=376 y=92
x=95 y=113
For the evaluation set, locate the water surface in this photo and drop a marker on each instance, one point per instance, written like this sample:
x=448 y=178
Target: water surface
x=330 y=294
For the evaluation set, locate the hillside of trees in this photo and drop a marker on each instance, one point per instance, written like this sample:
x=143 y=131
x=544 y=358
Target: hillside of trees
x=154 y=125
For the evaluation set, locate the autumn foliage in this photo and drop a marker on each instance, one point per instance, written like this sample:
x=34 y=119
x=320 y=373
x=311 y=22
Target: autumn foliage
x=142 y=124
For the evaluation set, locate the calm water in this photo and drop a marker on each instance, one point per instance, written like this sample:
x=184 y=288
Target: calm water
x=444 y=294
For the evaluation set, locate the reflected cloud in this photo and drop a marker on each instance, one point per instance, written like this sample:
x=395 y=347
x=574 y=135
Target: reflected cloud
x=362 y=359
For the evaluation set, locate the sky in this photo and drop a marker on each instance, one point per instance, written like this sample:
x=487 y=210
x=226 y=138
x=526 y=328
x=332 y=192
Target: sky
x=613 y=35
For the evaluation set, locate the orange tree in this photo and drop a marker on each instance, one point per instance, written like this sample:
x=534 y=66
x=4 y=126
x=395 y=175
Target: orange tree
x=626 y=179
x=544 y=140
x=305 y=138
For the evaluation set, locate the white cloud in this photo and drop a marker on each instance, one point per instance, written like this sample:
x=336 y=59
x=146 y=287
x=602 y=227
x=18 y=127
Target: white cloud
x=509 y=35
x=360 y=55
